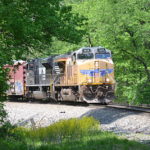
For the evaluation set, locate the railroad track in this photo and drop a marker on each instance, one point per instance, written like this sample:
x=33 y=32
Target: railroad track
x=116 y=106
x=131 y=108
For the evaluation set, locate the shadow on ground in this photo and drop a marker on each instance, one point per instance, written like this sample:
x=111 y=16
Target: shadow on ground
x=108 y=115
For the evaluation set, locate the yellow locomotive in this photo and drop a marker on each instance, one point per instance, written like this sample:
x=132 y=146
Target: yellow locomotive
x=85 y=75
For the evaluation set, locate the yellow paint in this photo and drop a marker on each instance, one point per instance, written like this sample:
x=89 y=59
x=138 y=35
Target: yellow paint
x=73 y=77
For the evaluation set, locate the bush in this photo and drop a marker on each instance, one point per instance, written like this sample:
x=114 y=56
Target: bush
x=64 y=129
x=3 y=83
x=3 y=114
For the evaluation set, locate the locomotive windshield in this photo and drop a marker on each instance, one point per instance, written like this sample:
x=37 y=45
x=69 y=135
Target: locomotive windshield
x=102 y=56
x=85 y=56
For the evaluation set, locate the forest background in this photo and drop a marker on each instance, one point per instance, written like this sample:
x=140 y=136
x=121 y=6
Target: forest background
x=30 y=29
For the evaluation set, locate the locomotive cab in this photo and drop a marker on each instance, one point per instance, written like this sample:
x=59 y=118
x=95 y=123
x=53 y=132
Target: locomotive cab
x=96 y=66
x=96 y=71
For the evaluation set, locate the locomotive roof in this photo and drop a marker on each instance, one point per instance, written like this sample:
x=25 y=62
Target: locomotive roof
x=62 y=57
x=48 y=61
x=16 y=63
x=93 y=49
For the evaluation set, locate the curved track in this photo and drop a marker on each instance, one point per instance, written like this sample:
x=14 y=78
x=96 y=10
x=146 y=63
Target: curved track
x=131 y=108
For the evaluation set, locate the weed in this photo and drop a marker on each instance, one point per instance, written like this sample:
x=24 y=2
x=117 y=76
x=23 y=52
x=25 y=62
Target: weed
x=72 y=134
x=72 y=128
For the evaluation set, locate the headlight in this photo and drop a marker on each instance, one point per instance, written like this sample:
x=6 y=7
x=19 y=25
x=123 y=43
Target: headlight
x=96 y=64
x=89 y=81
x=107 y=79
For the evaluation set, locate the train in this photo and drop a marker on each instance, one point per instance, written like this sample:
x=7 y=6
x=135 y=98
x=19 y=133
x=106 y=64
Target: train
x=84 y=75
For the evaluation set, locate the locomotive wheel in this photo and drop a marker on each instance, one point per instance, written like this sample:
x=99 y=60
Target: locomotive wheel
x=95 y=95
x=109 y=97
x=87 y=94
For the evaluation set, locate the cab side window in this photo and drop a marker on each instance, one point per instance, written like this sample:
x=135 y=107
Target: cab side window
x=74 y=58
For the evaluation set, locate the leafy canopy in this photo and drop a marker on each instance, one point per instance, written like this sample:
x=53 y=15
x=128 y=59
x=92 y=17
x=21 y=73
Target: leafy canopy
x=29 y=25
x=123 y=27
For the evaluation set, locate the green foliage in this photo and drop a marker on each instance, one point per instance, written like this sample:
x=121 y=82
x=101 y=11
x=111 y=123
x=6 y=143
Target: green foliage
x=12 y=144
x=123 y=27
x=5 y=128
x=3 y=83
x=97 y=140
x=28 y=26
x=5 y=125
x=3 y=114
x=72 y=128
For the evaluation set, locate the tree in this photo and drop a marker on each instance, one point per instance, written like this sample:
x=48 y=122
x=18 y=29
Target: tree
x=123 y=27
x=28 y=26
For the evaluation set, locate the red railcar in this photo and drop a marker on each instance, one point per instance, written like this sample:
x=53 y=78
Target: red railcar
x=17 y=80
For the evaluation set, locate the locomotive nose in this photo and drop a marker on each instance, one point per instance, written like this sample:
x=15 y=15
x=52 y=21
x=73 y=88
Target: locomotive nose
x=104 y=71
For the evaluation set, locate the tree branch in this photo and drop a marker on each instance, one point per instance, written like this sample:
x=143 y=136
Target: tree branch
x=141 y=60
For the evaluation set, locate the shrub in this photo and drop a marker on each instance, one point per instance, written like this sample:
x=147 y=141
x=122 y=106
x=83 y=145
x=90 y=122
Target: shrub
x=3 y=114
x=5 y=125
x=64 y=129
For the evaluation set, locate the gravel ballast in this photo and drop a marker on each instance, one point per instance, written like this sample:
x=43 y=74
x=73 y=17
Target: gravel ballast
x=133 y=125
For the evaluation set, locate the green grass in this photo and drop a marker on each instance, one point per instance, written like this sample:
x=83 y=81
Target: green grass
x=72 y=134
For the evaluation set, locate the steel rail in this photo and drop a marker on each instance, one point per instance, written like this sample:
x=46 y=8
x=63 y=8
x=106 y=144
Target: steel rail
x=131 y=108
